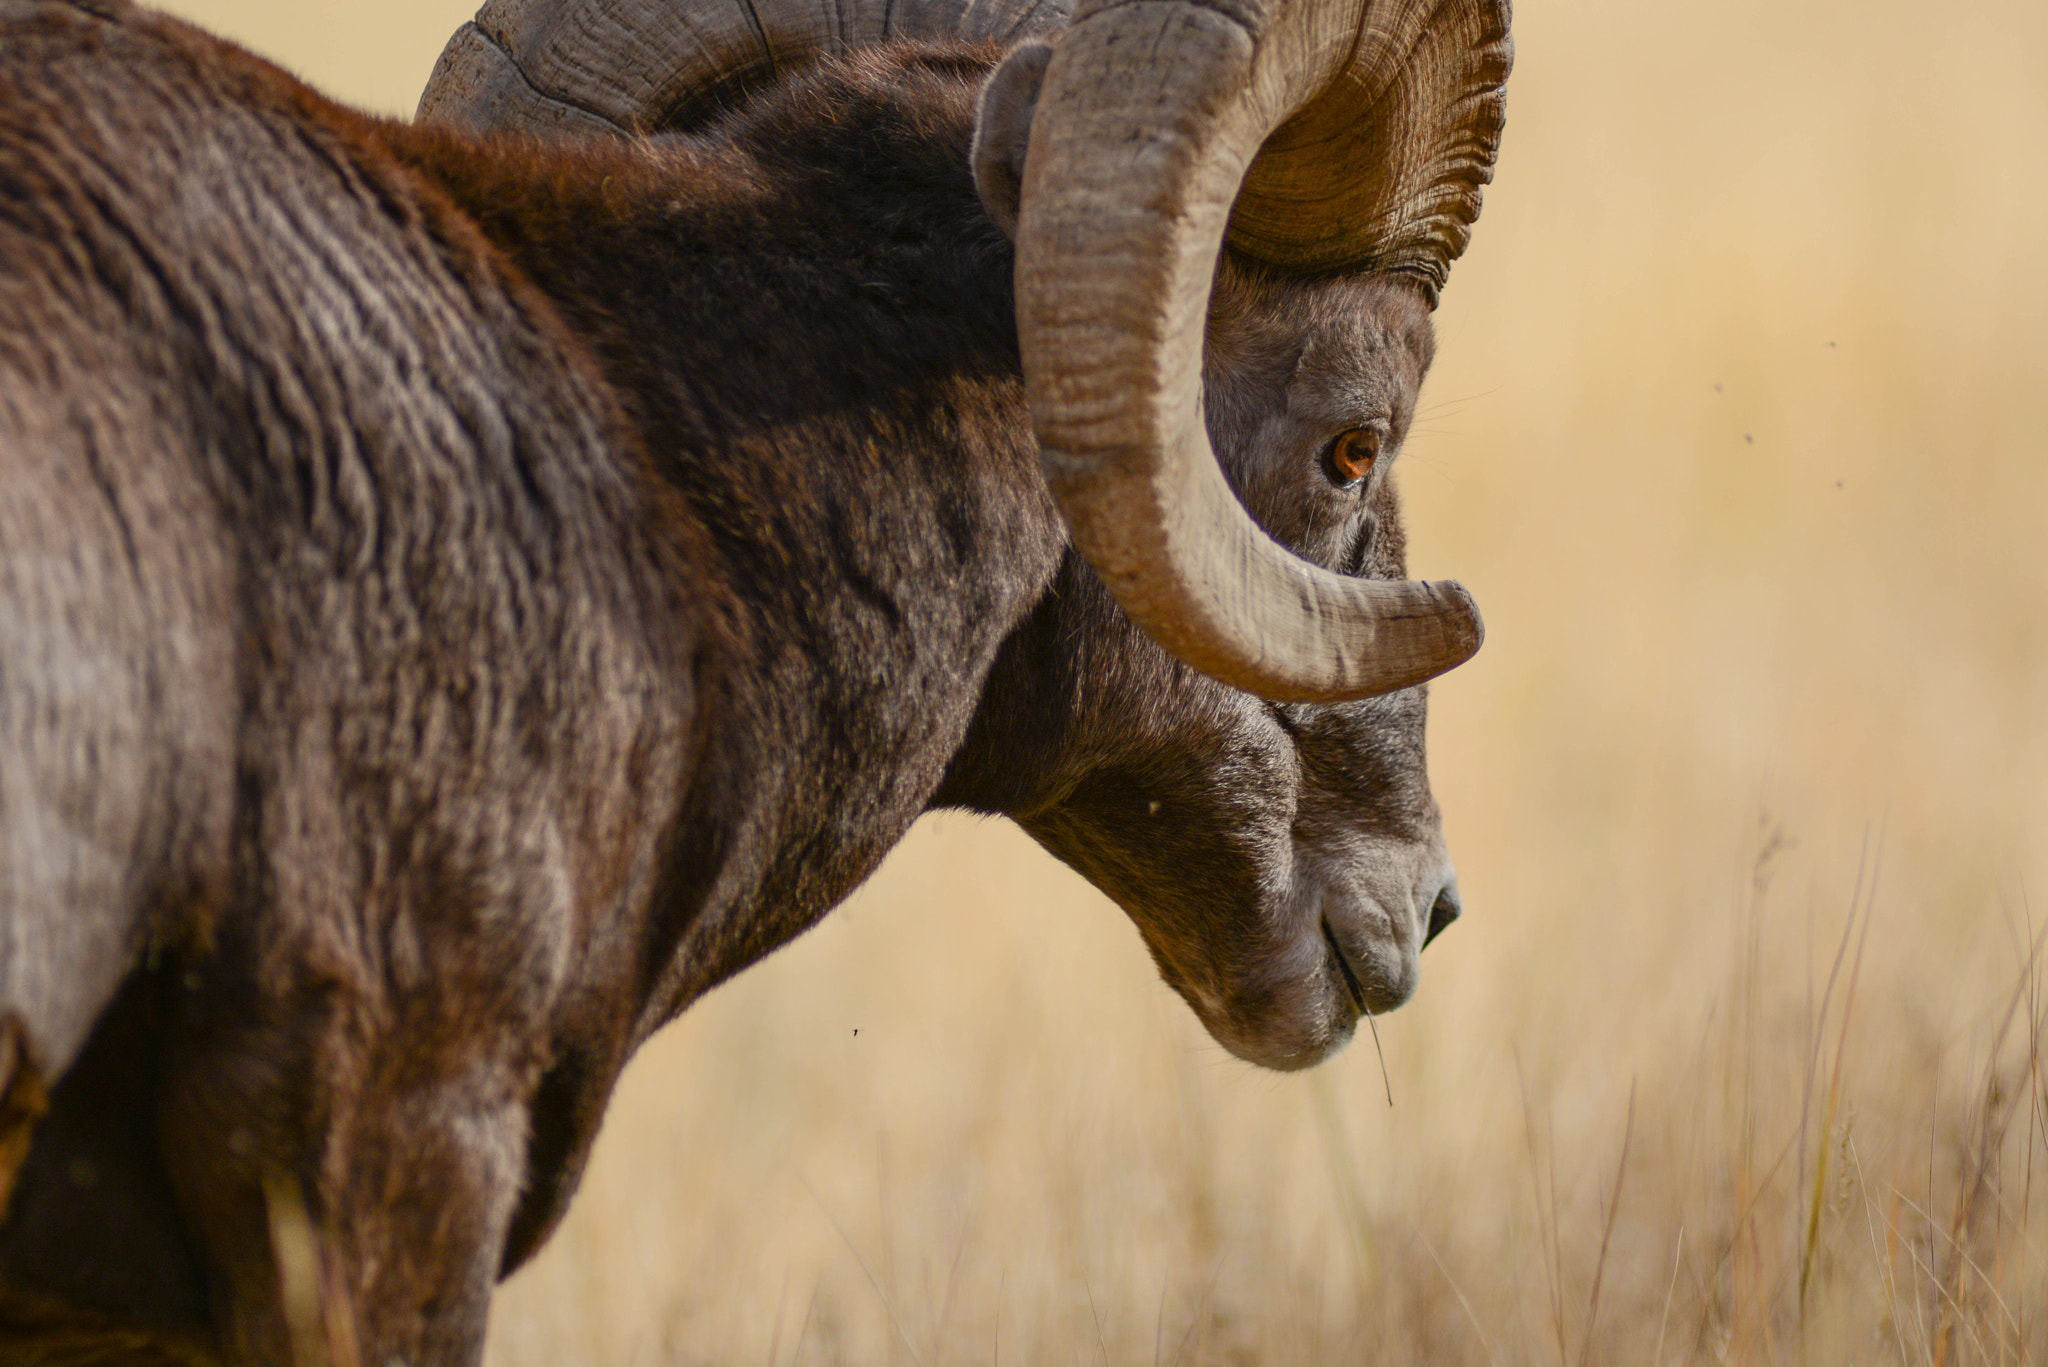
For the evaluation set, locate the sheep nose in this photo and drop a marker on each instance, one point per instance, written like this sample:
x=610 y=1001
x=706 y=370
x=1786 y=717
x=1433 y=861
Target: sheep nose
x=1446 y=909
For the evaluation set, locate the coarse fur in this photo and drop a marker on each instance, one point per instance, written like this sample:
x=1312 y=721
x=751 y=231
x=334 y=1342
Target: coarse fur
x=461 y=600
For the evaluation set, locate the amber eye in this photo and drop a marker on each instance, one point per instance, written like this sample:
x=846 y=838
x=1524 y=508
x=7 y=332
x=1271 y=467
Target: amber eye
x=1351 y=456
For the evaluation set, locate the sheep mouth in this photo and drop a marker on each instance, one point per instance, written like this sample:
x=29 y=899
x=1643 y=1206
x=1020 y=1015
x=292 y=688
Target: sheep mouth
x=1352 y=987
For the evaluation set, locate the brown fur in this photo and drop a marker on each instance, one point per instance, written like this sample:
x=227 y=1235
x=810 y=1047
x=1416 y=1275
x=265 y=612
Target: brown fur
x=466 y=599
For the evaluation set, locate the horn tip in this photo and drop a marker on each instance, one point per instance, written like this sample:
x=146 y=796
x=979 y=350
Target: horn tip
x=1464 y=628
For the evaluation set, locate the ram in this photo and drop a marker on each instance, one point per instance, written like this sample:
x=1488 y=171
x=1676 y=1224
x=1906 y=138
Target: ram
x=468 y=587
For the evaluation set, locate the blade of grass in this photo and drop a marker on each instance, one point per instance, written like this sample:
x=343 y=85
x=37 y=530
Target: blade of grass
x=796 y=1354
x=1101 y=1344
x=1811 y=1239
x=1546 y=1216
x=1458 y=1291
x=1607 y=1231
x=1887 y=1260
x=1385 y=1080
x=1664 y=1319
x=866 y=1271
x=1200 y=1306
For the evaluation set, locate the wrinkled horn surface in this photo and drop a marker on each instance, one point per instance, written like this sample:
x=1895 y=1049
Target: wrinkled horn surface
x=1383 y=169
x=551 y=65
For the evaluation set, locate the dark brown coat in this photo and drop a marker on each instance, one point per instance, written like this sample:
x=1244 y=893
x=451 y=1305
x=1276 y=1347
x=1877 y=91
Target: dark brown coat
x=461 y=601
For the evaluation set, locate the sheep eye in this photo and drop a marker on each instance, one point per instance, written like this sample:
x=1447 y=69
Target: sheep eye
x=1351 y=456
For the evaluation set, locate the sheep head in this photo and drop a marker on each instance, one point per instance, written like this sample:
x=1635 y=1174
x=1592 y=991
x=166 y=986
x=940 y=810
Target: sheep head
x=1314 y=136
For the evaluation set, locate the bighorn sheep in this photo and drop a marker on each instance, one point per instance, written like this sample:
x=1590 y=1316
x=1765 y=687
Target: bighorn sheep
x=464 y=595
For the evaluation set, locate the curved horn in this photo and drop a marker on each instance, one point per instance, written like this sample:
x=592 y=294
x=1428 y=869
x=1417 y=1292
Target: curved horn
x=1149 y=120
x=1348 y=135
x=1382 y=171
x=624 y=65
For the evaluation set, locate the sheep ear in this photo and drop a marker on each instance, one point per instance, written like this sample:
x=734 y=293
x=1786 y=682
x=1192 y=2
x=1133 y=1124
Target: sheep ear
x=1002 y=130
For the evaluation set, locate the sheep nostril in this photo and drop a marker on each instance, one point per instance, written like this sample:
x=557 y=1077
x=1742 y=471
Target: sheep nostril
x=1446 y=909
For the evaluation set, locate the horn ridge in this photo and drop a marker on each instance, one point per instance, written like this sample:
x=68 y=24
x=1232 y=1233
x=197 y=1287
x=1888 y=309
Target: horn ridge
x=475 y=82
x=641 y=64
x=1383 y=170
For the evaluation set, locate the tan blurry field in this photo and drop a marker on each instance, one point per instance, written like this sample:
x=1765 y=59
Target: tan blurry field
x=1737 y=433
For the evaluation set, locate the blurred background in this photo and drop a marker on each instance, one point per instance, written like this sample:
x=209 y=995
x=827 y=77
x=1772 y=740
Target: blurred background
x=1737 y=432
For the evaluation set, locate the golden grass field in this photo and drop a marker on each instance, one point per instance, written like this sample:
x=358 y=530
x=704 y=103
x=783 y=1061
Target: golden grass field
x=1737 y=432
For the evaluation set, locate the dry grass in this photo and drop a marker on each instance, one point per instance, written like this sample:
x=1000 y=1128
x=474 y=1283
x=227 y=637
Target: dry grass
x=1737 y=436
